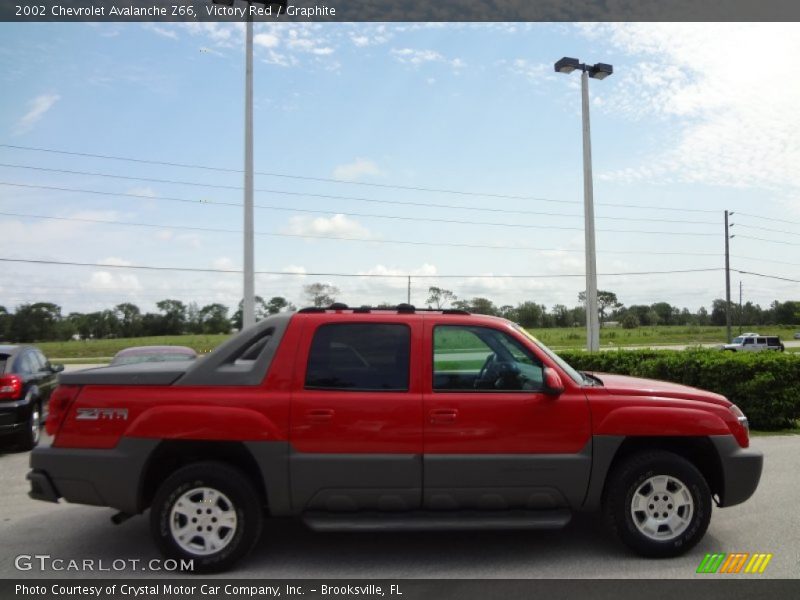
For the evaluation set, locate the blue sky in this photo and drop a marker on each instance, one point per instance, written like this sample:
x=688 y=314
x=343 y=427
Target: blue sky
x=696 y=119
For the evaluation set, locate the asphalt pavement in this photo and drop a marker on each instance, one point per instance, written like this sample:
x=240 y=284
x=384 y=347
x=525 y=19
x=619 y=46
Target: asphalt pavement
x=768 y=523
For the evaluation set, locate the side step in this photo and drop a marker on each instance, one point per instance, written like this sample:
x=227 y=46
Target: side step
x=437 y=520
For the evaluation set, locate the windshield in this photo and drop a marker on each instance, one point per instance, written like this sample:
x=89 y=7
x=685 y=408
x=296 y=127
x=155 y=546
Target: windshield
x=575 y=375
x=738 y=340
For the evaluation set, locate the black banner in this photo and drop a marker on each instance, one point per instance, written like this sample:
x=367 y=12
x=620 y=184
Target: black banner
x=400 y=10
x=731 y=588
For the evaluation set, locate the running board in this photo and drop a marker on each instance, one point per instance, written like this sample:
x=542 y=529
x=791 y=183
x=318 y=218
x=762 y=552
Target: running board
x=437 y=520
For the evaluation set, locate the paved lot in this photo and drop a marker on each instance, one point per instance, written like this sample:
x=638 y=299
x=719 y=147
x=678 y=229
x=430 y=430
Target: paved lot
x=769 y=522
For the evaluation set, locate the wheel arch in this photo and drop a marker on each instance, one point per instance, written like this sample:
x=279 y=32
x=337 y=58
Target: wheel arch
x=610 y=451
x=171 y=455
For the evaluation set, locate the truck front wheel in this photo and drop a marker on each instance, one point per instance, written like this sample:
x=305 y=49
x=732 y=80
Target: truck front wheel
x=658 y=504
x=207 y=512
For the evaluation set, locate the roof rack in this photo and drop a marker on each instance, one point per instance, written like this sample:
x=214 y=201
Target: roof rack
x=402 y=308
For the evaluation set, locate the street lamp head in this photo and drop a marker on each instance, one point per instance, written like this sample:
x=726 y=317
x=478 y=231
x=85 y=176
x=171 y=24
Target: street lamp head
x=567 y=65
x=600 y=71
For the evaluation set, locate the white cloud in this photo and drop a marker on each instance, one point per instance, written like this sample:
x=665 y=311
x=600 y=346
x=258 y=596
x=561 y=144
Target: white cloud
x=415 y=57
x=114 y=261
x=370 y=35
x=533 y=71
x=220 y=34
x=162 y=31
x=37 y=108
x=142 y=191
x=225 y=263
x=335 y=226
x=266 y=40
x=294 y=269
x=105 y=281
x=356 y=170
x=733 y=97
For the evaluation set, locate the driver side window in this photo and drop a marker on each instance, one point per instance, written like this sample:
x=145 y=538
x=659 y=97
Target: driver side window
x=482 y=359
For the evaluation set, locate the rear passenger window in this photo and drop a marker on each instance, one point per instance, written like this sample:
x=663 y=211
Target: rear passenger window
x=359 y=357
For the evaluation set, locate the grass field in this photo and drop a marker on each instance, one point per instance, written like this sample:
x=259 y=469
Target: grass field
x=562 y=338
x=96 y=349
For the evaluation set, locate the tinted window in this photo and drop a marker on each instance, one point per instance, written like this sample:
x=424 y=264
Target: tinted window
x=26 y=364
x=359 y=356
x=761 y=340
x=37 y=360
x=773 y=341
x=482 y=359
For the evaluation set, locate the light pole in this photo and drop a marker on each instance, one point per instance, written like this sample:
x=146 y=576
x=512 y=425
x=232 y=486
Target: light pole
x=249 y=292
x=598 y=71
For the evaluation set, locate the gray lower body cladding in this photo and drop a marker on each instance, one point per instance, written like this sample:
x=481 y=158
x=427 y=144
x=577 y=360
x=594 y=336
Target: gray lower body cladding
x=107 y=477
x=299 y=482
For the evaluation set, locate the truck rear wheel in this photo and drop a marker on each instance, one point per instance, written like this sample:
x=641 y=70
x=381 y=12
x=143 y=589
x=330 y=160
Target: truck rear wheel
x=658 y=504
x=208 y=512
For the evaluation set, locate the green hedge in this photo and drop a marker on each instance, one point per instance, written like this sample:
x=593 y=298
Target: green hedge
x=765 y=385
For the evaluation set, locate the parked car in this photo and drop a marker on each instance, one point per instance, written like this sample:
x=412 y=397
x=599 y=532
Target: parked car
x=390 y=420
x=26 y=381
x=797 y=335
x=753 y=342
x=140 y=354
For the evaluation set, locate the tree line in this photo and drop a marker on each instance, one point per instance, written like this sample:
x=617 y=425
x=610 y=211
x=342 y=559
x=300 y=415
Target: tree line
x=44 y=321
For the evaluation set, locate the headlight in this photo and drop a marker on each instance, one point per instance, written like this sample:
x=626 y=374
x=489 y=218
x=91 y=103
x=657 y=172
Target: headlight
x=740 y=417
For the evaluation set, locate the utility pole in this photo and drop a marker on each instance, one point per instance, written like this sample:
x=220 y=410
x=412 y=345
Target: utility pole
x=741 y=314
x=727 y=280
x=409 y=289
x=249 y=292
x=249 y=301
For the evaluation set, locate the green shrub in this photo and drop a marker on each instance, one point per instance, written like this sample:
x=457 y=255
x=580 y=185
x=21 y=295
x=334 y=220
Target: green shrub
x=765 y=385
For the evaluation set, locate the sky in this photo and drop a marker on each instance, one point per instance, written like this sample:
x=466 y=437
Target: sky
x=448 y=152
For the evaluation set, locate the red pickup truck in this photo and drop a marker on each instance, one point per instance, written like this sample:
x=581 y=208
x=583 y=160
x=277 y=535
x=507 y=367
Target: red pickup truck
x=403 y=419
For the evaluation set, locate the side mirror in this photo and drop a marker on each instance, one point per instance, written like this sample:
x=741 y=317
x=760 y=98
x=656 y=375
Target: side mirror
x=56 y=368
x=552 y=382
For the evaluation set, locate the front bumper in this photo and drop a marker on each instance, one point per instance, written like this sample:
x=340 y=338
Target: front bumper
x=102 y=477
x=741 y=469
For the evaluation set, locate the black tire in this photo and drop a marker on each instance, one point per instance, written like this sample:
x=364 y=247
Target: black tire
x=631 y=476
x=29 y=438
x=238 y=497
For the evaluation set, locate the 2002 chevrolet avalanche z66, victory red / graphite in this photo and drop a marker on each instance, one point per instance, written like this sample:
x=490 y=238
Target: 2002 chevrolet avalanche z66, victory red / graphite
x=403 y=419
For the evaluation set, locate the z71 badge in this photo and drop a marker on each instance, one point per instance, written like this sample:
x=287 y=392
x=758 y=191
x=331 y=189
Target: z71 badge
x=102 y=414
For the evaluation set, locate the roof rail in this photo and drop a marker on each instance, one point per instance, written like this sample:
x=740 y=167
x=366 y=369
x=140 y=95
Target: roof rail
x=402 y=308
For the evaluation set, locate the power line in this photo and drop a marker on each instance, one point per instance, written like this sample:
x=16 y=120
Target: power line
x=361 y=215
x=348 y=239
x=766 y=260
x=363 y=275
x=767 y=276
x=346 y=182
x=748 y=237
x=768 y=218
x=331 y=197
x=770 y=230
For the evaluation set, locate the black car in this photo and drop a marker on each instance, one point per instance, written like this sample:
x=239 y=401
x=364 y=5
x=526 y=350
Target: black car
x=26 y=380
